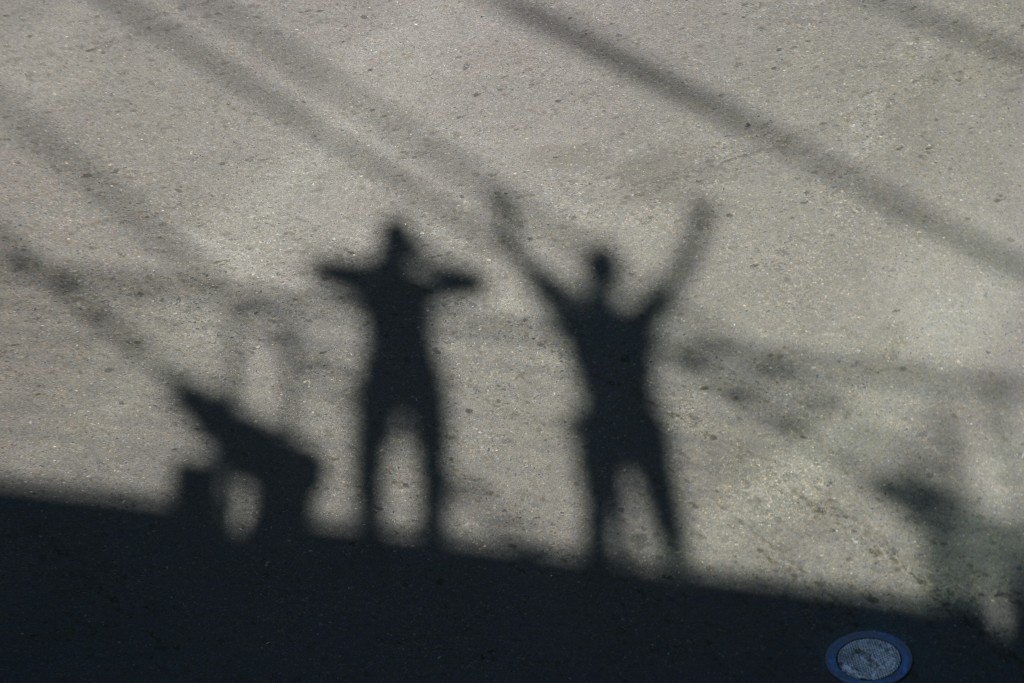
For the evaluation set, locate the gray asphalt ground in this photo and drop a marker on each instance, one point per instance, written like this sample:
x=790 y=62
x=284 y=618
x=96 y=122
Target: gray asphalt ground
x=833 y=381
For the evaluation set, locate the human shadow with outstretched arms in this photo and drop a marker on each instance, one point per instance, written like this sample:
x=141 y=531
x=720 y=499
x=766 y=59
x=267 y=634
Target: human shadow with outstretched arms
x=613 y=348
x=396 y=294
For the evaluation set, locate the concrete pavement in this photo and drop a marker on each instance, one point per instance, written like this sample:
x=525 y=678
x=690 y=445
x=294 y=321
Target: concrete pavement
x=835 y=384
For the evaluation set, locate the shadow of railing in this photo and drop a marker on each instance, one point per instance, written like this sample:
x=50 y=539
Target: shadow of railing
x=796 y=390
x=99 y=593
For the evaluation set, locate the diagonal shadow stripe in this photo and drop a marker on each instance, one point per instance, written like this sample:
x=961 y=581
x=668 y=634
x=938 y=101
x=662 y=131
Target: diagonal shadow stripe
x=956 y=31
x=344 y=132
x=792 y=145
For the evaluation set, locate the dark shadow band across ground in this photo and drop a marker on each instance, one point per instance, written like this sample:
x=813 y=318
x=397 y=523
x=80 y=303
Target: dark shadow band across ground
x=95 y=594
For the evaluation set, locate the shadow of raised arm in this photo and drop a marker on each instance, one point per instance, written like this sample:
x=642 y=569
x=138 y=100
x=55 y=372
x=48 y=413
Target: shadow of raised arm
x=508 y=226
x=688 y=253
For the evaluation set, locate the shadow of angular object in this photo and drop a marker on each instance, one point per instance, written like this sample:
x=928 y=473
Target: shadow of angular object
x=285 y=474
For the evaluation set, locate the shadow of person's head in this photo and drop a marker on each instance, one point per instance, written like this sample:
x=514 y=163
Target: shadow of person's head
x=399 y=246
x=603 y=269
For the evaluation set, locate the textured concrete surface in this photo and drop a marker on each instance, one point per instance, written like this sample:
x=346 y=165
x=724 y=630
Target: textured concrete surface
x=832 y=383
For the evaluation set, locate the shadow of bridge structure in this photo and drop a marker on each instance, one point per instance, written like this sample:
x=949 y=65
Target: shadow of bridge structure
x=98 y=593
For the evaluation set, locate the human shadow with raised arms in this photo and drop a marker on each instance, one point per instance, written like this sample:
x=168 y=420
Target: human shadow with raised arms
x=613 y=347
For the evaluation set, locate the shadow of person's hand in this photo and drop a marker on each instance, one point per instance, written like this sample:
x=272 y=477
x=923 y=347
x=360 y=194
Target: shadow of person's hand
x=508 y=221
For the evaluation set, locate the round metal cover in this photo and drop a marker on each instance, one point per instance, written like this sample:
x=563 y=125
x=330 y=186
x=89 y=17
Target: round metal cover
x=868 y=656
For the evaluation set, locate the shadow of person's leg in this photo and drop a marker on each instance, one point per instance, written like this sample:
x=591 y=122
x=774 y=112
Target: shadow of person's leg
x=600 y=466
x=653 y=463
x=375 y=422
x=429 y=420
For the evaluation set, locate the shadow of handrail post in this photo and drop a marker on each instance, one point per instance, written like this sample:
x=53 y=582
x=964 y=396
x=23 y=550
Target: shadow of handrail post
x=992 y=594
x=620 y=428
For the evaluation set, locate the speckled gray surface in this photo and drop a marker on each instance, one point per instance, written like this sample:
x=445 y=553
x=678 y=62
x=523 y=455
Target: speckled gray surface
x=836 y=381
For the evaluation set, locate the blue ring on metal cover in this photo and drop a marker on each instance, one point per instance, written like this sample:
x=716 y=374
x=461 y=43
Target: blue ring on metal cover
x=832 y=657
